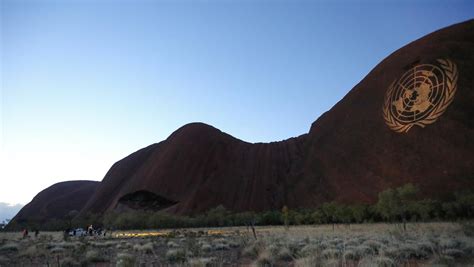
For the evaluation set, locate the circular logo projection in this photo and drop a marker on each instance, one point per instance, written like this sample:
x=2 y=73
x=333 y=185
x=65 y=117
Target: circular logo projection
x=420 y=96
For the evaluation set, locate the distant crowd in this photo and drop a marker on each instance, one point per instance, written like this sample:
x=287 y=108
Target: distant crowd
x=91 y=231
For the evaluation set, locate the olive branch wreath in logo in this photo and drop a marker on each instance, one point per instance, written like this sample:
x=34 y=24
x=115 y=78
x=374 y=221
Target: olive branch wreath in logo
x=451 y=74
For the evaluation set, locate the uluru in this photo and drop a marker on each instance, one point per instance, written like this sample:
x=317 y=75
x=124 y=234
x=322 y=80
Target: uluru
x=410 y=120
x=237 y=133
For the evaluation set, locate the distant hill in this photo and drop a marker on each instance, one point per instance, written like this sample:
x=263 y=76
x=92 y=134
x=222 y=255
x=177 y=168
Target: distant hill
x=410 y=120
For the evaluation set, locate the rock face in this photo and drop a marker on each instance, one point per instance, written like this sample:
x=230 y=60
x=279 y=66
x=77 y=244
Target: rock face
x=199 y=167
x=359 y=154
x=55 y=202
x=411 y=119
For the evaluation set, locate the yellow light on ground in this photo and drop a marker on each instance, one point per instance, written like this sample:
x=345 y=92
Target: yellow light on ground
x=151 y=234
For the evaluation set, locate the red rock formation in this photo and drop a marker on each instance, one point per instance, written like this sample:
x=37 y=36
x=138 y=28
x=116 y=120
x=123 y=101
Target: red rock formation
x=349 y=155
x=359 y=155
x=55 y=202
x=199 y=167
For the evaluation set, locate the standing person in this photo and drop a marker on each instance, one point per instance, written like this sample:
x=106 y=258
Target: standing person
x=90 y=230
x=36 y=233
x=25 y=233
x=66 y=234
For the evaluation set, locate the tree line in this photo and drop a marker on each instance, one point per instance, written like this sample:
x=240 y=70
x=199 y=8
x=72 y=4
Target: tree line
x=398 y=205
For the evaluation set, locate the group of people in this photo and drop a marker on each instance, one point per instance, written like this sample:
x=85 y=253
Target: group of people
x=98 y=232
x=25 y=233
x=81 y=232
x=90 y=231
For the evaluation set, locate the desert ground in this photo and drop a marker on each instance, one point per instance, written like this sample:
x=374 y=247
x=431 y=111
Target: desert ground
x=422 y=244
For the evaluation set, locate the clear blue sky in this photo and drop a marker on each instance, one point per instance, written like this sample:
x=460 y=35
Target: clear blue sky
x=85 y=83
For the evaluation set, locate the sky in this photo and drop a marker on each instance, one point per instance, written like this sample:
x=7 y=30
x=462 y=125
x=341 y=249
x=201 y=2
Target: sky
x=7 y=211
x=86 y=83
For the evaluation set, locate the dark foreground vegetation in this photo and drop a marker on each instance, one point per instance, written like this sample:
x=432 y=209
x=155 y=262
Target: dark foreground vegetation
x=399 y=205
x=346 y=235
x=422 y=244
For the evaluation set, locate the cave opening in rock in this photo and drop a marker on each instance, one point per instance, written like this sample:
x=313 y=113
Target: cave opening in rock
x=145 y=200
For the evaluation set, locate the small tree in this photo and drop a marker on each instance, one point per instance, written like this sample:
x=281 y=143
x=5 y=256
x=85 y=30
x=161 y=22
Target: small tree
x=407 y=195
x=388 y=205
x=329 y=211
x=344 y=214
x=465 y=201
x=423 y=209
x=318 y=217
x=218 y=216
x=360 y=212
x=395 y=204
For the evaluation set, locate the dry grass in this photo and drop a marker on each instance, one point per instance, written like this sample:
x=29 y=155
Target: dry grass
x=358 y=245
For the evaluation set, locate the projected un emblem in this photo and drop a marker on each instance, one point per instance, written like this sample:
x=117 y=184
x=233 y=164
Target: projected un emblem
x=420 y=95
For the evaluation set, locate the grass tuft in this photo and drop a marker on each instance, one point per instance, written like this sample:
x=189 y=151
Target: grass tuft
x=176 y=256
x=200 y=262
x=123 y=245
x=94 y=256
x=331 y=253
x=264 y=259
x=350 y=254
x=221 y=246
x=125 y=260
x=57 y=250
x=145 y=248
x=206 y=247
x=69 y=262
x=172 y=244
x=452 y=252
x=9 y=247
x=284 y=254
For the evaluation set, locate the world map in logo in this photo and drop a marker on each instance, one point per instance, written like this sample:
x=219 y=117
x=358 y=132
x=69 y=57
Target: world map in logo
x=420 y=95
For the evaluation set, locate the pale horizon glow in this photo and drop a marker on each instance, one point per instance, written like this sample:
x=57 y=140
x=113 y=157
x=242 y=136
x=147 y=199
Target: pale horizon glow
x=86 y=83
